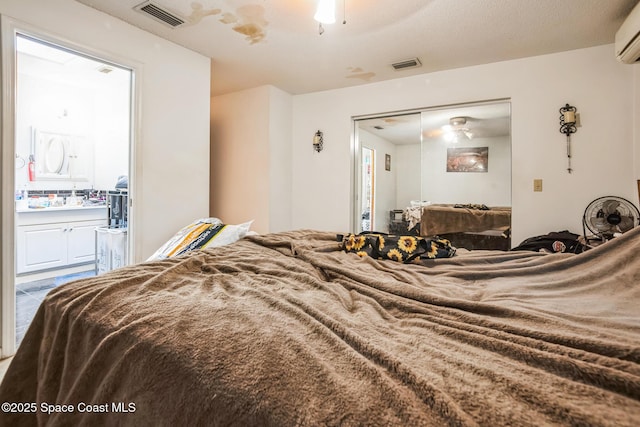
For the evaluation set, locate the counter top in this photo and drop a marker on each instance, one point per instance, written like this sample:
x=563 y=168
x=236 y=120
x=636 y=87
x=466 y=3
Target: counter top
x=61 y=208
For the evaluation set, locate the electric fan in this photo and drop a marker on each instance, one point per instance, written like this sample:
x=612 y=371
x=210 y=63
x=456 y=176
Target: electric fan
x=608 y=216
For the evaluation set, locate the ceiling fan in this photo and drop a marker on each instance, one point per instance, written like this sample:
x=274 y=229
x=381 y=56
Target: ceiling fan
x=455 y=131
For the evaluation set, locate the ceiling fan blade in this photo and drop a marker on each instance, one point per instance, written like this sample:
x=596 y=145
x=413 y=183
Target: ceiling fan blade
x=433 y=133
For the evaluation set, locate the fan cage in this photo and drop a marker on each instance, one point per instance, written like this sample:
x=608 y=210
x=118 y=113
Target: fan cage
x=623 y=210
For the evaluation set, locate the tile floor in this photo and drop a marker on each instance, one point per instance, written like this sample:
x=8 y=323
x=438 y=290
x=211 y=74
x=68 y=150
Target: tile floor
x=29 y=296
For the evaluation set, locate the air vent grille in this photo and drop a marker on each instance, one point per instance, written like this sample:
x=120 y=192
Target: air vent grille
x=159 y=14
x=409 y=63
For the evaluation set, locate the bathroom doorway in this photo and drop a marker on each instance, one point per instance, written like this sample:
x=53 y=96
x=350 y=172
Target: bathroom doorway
x=73 y=140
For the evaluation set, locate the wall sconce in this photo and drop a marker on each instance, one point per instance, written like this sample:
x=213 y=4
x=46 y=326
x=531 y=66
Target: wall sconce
x=568 y=115
x=318 y=141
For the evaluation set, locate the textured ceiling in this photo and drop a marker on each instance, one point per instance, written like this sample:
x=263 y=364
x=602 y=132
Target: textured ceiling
x=256 y=42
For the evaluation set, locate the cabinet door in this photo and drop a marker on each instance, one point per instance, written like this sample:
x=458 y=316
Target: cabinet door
x=81 y=239
x=40 y=247
x=81 y=160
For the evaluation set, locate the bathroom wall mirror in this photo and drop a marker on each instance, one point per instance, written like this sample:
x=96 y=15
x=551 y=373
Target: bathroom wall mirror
x=58 y=156
x=452 y=157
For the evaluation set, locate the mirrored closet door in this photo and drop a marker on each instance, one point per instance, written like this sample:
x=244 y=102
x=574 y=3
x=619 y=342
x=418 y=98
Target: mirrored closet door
x=442 y=171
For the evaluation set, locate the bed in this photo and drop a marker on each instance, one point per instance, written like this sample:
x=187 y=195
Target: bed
x=445 y=219
x=287 y=329
x=468 y=226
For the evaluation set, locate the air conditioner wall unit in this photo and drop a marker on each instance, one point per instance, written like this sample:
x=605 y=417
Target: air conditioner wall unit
x=628 y=38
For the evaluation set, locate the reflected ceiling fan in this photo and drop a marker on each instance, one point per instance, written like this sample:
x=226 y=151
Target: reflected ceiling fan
x=607 y=217
x=457 y=130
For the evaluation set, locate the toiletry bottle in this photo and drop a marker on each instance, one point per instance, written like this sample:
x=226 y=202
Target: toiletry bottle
x=32 y=168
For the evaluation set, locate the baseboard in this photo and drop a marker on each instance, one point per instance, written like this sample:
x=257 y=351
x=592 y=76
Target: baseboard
x=49 y=274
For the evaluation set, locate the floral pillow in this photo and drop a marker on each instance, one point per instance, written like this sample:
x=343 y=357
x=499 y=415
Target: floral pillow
x=397 y=248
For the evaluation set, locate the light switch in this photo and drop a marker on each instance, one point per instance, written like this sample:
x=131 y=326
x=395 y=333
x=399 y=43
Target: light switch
x=537 y=185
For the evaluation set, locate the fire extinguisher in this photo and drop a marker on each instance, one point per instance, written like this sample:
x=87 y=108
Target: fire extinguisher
x=32 y=168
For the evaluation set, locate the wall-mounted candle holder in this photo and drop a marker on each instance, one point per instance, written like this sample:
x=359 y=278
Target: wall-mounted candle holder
x=568 y=126
x=318 y=141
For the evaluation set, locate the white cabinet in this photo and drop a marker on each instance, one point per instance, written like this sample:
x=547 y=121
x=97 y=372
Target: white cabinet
x=46 y=240
x=62 y=157
x=81 y=241
x=40 y=247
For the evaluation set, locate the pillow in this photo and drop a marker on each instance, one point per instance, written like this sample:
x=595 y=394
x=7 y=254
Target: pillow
x=404 y=249
x=200 y=234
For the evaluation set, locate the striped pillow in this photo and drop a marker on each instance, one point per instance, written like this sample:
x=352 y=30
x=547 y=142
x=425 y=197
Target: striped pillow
x=200 y=234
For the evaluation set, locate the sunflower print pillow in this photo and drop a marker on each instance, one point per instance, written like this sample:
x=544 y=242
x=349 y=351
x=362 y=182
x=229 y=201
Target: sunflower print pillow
x=397 y=248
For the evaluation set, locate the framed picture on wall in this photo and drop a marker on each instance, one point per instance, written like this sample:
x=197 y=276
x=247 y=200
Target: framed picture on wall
x=468 y=159
x=387 y=162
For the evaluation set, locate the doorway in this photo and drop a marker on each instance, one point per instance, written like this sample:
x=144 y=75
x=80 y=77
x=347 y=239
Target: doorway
x=368 y=188
x=72 y=145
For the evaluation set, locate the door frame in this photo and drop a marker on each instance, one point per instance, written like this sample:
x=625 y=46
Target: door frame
x=9 y=29
x=372 y=188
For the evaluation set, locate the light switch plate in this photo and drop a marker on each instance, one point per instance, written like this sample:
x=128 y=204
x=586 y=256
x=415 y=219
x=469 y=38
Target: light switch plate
x=537 y=185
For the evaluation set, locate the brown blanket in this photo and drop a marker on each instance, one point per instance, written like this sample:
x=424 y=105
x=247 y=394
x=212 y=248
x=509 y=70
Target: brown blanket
x=445 y=219
x=285 y=329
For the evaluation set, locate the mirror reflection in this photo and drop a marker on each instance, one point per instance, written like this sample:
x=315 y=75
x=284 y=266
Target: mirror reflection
x=438 y=172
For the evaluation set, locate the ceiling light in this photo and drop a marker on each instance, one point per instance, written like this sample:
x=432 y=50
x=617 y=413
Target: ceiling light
x=326 y=12
x=455 y=130
x=457 y=121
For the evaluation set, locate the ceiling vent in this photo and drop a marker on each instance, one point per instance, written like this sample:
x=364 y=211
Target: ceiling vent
x=409 y=63
x=160 y=14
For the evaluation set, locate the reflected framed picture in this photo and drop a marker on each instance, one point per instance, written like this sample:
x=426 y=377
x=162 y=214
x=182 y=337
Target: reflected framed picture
x=468 y=159
x=387 y=162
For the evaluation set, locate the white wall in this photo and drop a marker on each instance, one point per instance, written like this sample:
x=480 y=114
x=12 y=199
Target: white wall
x=112 y=141
x=172 y=186
x=280 y=104
x=409 y=186
x=590 y=79
x=251 y=158
x=492 y=188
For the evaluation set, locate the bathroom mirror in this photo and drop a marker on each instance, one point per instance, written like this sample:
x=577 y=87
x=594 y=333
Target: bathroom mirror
x=54 y=155
x=58 y=156
x=51 y=153
x=455 y=159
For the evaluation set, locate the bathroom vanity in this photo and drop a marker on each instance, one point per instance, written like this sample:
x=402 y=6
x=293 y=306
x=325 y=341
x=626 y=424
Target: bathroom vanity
x=56 y=237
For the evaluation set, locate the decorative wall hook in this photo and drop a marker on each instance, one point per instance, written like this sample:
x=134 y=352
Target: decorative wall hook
x=568 y=126
x=318 y=141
